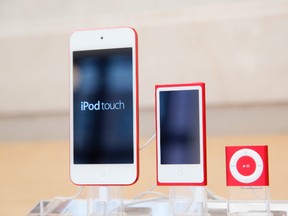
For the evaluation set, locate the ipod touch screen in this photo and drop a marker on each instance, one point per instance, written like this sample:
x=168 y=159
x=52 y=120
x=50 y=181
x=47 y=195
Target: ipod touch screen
x=103 y=106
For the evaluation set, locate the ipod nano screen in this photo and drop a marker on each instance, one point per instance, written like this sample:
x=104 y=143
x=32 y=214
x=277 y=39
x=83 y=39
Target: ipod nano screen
x=103 y=106
x=179 y=127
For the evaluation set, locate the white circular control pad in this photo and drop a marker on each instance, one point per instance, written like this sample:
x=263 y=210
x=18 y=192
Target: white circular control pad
x=258 y=165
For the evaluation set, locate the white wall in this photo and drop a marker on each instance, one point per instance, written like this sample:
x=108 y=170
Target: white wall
x=239 y=48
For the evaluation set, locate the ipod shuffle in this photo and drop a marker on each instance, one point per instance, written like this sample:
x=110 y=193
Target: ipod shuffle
x=247 y=166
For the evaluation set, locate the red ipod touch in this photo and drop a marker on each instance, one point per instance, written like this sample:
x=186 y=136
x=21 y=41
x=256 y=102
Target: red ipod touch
x=104 y=126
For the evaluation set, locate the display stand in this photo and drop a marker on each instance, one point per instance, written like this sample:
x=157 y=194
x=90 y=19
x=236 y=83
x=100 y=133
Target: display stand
x=91 y=201
x=77 y=206
x=104 y=201
x=188 y=201
x=249 y=201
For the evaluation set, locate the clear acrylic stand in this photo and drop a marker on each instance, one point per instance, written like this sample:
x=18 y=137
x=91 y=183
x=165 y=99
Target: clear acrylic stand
x=188 y=201
x=94 y=201
x=78 y=206
x=249 y=201
x=104 y=201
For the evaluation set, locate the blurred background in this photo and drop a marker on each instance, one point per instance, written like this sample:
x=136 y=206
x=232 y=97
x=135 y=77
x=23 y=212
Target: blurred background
x=239 y=48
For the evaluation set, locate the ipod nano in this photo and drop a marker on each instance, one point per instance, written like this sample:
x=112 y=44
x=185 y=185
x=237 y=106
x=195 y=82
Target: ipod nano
x=247 y=166
x=181 y=134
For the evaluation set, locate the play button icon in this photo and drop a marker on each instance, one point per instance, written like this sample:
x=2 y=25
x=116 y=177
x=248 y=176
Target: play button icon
x=246 y=166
